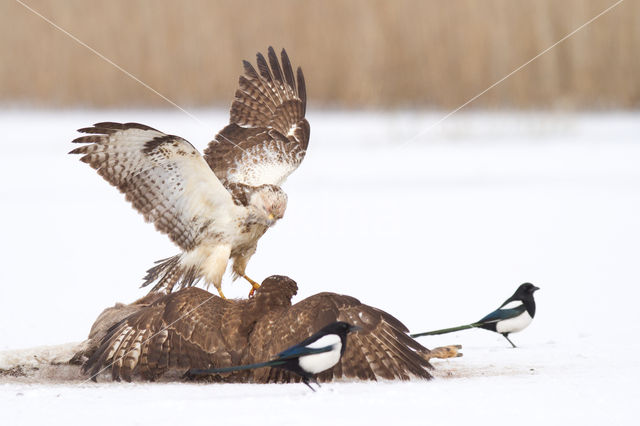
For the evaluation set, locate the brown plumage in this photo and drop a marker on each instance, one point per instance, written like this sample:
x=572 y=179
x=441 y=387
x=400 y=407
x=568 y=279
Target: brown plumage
x=195 y=329
x=216 y=207
x=106 y=320
x=267 y=137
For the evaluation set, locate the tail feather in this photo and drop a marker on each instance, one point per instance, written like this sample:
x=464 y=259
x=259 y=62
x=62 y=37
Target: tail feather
x=446 y=330
x=169 y=272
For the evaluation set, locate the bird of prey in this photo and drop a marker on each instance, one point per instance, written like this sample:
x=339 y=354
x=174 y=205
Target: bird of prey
x=193 y=328
x=216 y=207
x=313 y=355
x=515 y=314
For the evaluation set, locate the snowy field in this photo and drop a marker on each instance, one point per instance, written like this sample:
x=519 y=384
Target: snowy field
x=437 y=231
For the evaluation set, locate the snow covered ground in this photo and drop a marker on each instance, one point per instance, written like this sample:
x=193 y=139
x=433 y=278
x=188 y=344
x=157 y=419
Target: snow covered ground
x=437 y=231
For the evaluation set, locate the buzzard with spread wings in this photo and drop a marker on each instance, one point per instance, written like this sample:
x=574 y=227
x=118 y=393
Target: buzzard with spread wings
x=217 y=206
x=192 y=328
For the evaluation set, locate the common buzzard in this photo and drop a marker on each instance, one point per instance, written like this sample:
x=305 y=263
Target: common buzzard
x=215 y=207
x=192 y=328
x=307 y=359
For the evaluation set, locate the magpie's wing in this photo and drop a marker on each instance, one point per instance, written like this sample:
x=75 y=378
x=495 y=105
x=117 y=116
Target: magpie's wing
x=300 y=350
x=503 y=314
x=291 y=353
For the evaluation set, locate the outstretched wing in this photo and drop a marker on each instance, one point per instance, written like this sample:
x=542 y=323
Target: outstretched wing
x=194 y=329
x=163 y=176
x=381 y=350
x=179 y=331
x=268 y=135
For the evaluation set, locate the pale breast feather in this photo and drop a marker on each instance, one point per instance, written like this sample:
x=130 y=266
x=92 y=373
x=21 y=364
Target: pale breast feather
x=260 y=165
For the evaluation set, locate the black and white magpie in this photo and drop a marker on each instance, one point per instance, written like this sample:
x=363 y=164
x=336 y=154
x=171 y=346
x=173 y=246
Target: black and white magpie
x=313 y=355
x=514 y=315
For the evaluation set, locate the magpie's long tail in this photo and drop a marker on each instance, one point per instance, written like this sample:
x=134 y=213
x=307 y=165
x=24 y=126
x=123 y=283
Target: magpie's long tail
x=447 y=330
x=272 y=363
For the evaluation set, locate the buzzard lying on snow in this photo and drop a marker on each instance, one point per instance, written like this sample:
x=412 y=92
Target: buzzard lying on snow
x=192 y=328
x=215 y=207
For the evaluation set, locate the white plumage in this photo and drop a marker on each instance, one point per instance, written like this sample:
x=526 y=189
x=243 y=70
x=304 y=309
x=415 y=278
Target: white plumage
x=515 y=324
x=317 y=363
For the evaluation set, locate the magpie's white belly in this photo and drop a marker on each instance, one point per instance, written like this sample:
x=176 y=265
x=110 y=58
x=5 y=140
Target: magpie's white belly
x=513 y=325
x=317 y=363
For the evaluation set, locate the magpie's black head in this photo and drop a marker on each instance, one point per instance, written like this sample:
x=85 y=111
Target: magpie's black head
x=340 y=328
x=524 y=292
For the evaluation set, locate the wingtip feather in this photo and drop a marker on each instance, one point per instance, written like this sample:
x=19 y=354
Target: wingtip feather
x=302 y=90
x=263 y=67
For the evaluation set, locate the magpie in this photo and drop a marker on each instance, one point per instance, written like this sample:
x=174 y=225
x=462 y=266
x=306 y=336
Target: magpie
x=514 y=315
x=313 y=355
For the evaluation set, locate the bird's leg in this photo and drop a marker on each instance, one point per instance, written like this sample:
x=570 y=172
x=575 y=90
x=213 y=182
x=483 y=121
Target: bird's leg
x=222 y=294
x=240 y=265
x=306 y=382
x=506 y=336
x=254 y=285
x=219 y=288
x=215 y=264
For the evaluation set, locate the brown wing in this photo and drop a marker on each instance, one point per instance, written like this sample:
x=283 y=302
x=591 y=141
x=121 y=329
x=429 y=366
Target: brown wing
x=381 y=350
x=267 y=137
x=384 y=348
x=163 y=176
x=179 y=331
x=106 y=320
x=194 y=329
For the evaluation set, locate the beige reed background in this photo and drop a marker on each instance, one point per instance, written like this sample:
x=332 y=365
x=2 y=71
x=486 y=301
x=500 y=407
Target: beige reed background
x=355 y=53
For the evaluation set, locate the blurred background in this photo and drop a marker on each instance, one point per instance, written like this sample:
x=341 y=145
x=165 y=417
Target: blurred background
x=355 y=54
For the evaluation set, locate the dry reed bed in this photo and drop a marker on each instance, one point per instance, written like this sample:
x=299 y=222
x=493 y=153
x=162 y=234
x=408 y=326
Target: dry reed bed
x=354 y=53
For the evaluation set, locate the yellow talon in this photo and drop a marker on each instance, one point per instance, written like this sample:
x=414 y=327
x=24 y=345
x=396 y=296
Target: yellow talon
x=254 y=285
x=221 y=294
